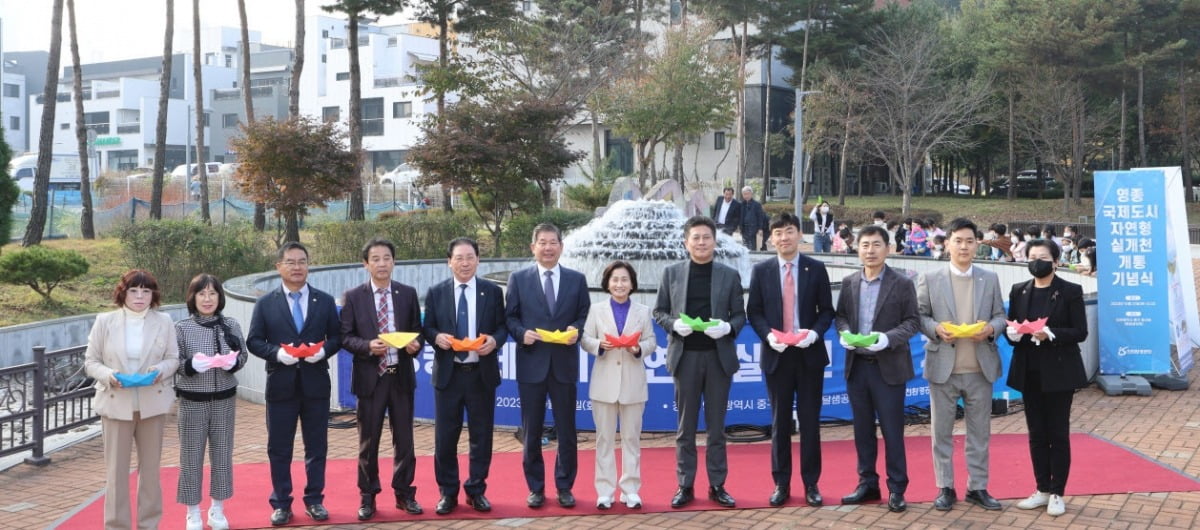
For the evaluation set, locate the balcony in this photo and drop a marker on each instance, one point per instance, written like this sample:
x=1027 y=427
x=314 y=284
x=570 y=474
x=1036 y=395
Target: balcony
x=129 y=128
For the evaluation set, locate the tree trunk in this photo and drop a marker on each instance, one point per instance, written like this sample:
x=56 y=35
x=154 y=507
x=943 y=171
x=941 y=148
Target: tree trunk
x=444 y=62
x=41 y=180
x=356 y=212
x=842 y=162
x=1141 y=112
x=766 y=141
x=740 y=178
x=297 y=64
x=595 y=146
x=196 y=72
x=1012 y=142
x=1121 y=134
x=86 y=226
x=1184 y=137
x=160 y=129
x=260 y=209
x=291 y=231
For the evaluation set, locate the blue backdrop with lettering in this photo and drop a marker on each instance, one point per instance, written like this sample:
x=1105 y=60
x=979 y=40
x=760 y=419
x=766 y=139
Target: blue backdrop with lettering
x=1131 y=255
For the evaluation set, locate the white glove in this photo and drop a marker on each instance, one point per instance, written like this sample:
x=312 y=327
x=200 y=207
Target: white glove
x=775 y=344
x=1012 y=334
x=201 y=363
x=719 y=330
x=808 y=339
x=681 y=328
x=316 y=357
x=881 y=342
x=286 y=358
x=1049 y=336
x=845 y=345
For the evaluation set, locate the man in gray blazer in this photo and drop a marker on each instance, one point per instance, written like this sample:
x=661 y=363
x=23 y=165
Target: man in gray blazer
x=958 y=366
x=702 y=364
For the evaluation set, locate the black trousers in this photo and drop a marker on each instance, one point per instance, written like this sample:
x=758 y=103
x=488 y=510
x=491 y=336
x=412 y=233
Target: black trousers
x=1048 y=416
x=313 y=415
x=871 y=399
x=533 y=419
x=466 y=392
x=797 y=379
x=396 y=402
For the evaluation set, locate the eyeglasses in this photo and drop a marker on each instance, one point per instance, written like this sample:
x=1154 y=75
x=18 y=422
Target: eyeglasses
x=295 y=263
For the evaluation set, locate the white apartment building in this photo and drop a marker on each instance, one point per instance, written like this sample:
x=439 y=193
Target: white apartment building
x=12 y=110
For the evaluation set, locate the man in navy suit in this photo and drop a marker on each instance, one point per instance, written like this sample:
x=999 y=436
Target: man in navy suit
x=382 y=378
x=464 y=307
x=294 y=314
x=553 y=298
x=791 y=294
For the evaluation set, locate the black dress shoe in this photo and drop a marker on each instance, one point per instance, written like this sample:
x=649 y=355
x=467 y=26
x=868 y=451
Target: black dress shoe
x=945 y=500
x=780 y=496
x=409 y=505
x=535 y=499
x=863 y=493
x=446 y=505
x=366 y=509
x=981 y=499
x=896 y=502
x=683 y=497
x=720 y=496
x=812 y=496
x=317 y=512
x=566 y=499
x=479 y=503
x=281 y=516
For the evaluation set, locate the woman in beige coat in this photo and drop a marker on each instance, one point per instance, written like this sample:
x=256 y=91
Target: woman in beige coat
x=617 y=387
x=125 y=345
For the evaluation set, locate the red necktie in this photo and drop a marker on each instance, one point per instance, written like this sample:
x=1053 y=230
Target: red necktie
x=789 y=298
x=381 y=318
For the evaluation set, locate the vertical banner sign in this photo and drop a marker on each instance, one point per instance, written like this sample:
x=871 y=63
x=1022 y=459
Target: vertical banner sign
x=1131 y=251
x=1181 y=284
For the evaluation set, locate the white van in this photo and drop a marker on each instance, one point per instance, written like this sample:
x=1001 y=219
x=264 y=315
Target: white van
x=210 y=168
x=64 y=171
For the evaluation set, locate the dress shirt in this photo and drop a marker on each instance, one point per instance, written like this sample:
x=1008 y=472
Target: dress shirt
x=868 y=298
x=303 y=300
x=963 y=274
x=723 y=212
x=555 y=278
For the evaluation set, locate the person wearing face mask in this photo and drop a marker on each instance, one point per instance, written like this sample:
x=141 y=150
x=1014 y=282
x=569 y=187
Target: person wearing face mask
x=1047 y=368
x=1070 y=255
x=824 y=228
x=939 y=247
x=1018 y=245
x=1087 y=257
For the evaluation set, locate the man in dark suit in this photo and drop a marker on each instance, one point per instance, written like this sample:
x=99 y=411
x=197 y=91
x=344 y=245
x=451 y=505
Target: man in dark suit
x=554 y=298
x=295 y=314
x=878 y=300
x=753 y=220
x=791 y=293
x=464 y=307
x=382 y=378
x=702 y=364
x=727 y=212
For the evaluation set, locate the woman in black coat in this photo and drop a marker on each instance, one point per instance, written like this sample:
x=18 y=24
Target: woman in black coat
x=1047 y=368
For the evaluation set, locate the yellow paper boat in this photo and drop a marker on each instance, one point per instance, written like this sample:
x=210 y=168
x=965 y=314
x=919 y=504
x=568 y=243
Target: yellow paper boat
x=398 y=339
x=962 y=331
x=557 y=337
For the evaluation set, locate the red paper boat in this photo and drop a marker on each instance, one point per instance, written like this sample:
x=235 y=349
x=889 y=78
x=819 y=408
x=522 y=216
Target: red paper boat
x=303 y=350
x=1029 y=326
x=624 y=341
x=791 y=339
x=467 y=344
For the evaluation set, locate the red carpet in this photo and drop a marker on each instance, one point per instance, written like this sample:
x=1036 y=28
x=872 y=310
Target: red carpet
x=1098 y=467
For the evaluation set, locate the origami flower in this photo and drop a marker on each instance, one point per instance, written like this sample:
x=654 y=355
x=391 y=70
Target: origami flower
x=1028 y=327
x=698 y=324
x=962 y=331
x=624 y=341
x=303 y=350
x=791 y=339
x=398 y=339
x=557 y=337
x=467 y=344
x=859 y=341
x=135 y=380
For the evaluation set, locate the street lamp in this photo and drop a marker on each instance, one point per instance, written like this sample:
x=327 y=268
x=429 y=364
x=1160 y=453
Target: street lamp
x=798 y=157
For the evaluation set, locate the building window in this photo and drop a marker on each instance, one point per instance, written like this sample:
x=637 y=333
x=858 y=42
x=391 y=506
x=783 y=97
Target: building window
x=676 y=12
x=14 y=123
x=324 y=34
x=719 y=141
x=331 y=114
x=527 y=5
x=228 y=61
x=343 y=76
x=96 y=121
x=64 y=126
x=12 y=91
x=372 y=117
x=322 y=58
x=402 y=109
x=229 y=121
x=123 y=160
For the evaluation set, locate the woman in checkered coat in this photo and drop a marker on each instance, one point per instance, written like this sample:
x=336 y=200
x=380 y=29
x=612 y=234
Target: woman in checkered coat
x=207 y=391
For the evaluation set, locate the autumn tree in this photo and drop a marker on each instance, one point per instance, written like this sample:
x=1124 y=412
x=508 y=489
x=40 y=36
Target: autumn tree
x=292 y=166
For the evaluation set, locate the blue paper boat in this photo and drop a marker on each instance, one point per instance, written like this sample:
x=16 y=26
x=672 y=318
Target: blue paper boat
x=135 y=380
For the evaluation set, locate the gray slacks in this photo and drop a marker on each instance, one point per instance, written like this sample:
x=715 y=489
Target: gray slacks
x=699 y=375
x=976 y=393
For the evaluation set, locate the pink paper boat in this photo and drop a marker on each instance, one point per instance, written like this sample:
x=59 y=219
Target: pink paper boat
x=1029 y=327
x=791 y=339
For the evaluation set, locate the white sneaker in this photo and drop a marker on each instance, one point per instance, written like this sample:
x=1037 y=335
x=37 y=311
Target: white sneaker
x=217 y=520
x=1037 y=500
x=194 y=522
x=632 y=500
x=1056 y=507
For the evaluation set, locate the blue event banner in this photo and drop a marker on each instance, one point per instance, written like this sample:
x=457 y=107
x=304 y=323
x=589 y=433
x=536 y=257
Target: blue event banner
x=1131 y=254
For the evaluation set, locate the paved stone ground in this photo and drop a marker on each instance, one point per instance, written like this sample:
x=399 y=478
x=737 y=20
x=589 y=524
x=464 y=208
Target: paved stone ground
x=1164 y=427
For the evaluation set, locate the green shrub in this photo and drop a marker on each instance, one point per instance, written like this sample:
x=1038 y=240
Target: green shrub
x=519 y=230
x=421 y=234
x=8 y=192
x=176 y=251
x=42 y=268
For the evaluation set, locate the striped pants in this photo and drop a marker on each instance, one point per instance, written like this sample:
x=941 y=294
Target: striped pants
x=205 y=423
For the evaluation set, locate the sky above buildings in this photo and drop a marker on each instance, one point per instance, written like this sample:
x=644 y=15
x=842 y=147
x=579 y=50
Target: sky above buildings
x=110 y=30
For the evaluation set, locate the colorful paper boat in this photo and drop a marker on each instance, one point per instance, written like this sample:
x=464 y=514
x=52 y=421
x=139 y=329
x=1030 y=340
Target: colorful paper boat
x=624 y=341
x=303 y=350
x=220 y=361
x=1029 y=326
x=698 y=324
x=557 y=337
x=467 y=344
x=136 y=380
x=791 y=339
x=859 y=341
x=962 y=331
x=398 y=339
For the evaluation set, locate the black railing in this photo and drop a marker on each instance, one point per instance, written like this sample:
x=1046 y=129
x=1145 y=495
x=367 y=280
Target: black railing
x=50 y=395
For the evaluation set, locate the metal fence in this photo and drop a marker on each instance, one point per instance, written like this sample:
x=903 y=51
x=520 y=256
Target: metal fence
x=51 y=395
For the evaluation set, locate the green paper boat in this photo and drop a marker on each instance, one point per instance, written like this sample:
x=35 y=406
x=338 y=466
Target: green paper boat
x=698 y=324
x=859 y=341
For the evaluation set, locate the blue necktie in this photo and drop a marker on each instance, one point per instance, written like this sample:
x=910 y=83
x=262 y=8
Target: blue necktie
x=463 y=327
x=297 y=313
x=548 y=286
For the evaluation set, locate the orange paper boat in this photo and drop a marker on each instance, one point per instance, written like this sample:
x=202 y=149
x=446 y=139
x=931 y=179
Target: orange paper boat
x=624 y=341
x=1029 y=326
x=303 y=350
x=791 y=339
x=467 y=344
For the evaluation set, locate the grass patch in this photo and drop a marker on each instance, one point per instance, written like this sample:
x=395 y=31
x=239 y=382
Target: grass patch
x=89 y=293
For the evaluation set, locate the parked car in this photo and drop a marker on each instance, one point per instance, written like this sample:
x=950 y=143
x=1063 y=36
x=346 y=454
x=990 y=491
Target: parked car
x=1027 y=184
x=210 y=168
x=403 y=174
